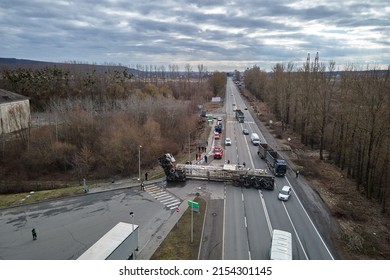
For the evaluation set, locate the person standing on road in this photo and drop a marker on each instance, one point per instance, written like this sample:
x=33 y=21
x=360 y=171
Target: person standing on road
x=34 y=234
x=297 y=173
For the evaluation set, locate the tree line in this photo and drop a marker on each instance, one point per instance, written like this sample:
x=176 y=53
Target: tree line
x=344 y=114
x=95 y=122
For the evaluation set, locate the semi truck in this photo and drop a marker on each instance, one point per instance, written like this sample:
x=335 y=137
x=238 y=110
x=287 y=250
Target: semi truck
x=240 y=115
x=273 y=159
x=238 y=175
x=276 y=163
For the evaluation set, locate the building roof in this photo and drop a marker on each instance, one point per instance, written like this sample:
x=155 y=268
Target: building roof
x=9 y=96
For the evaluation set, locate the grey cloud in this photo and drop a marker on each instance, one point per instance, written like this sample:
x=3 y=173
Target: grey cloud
x=183 y=30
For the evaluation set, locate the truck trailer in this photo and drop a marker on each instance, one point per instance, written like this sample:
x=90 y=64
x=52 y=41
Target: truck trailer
x=238 y=175
x=263 y=149
x=281 y=246
x=120 y=243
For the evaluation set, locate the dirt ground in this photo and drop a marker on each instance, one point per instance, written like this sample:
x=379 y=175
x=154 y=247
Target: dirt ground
x=364 y=229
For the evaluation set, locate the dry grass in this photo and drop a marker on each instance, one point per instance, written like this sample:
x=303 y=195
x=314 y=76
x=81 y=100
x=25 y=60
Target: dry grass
x=9 y=200
x=177 y=245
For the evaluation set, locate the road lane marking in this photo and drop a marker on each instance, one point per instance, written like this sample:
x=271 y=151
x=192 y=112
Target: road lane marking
x=307 y=215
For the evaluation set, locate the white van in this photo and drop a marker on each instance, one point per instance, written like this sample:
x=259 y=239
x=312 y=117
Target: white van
x=255 y=139
x=281 y=247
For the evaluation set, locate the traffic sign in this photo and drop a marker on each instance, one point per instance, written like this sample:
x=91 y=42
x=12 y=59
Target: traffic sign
x=194 y=205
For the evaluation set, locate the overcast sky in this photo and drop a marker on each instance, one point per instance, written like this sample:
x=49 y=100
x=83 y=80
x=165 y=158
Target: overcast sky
x=222 y=35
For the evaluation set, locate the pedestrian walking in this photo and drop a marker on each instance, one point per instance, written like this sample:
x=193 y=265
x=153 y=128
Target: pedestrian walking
x=142 y=186
x=34 y=234
x=297 y=174
x=146 y=176
x=205 y=159
x=196 y=156
x=243 y=164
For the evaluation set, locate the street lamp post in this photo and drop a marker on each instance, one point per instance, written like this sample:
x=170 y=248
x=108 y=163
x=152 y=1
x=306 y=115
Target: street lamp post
x=189 y=146
x=139 y=163
x=132 y=226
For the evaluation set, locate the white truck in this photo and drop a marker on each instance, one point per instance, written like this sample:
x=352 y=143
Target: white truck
x=281 y=247
x=120 y=243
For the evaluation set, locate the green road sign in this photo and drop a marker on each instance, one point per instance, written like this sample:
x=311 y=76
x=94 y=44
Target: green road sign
x=194 y=205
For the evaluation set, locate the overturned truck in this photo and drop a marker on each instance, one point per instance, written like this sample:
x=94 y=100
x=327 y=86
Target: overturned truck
x=238 y=175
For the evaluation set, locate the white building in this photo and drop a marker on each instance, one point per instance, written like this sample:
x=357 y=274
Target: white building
x=14 y=112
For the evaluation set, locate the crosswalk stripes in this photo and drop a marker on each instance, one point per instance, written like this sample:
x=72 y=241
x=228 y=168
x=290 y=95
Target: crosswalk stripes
x=169 y=200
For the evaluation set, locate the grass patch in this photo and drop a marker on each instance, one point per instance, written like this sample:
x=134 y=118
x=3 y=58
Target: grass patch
x=177 y=245
x=8 y=200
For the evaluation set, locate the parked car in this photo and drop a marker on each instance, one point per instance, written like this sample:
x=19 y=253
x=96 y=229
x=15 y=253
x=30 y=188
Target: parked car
x=217 y=136
x=245 y=131
x=285 y=193
x=228 y=142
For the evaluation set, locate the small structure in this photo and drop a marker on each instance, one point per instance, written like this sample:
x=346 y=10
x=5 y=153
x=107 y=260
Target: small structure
x=216 y=100
x=14 y=112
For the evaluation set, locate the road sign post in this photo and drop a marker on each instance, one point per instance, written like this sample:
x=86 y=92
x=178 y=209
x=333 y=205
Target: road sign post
x=194 y=207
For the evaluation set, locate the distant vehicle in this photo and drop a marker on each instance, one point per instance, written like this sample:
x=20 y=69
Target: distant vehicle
x=273 y=159
x=276 y=163
x=219 y=119
x=281 y=246
x=217 y=152
x=240 y=115
x=217 y=136
x=228 y=142
x=218 y=128
x=245 y=131
x=255 y=139
x=246 y=108
x=285 y=193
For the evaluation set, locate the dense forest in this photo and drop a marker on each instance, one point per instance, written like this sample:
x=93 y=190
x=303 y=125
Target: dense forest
x=345 y=115
x=96 y=120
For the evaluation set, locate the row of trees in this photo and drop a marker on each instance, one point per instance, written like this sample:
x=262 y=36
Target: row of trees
x=99 y=82
x=345 y=114
x=93 y=133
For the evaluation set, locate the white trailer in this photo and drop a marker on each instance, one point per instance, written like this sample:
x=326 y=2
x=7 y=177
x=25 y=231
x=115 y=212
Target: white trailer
x=281 y=247
x=120 y=243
